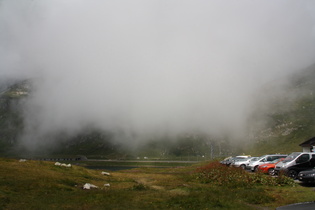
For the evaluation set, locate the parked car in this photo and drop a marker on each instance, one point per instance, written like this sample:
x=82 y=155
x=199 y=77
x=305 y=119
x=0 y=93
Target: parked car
x=269 y=168
x=253 y=165
x=229 y=160
x=252 y=160
x=242 y=162
x=295 y=163
x=307 y=176
x=226 y=161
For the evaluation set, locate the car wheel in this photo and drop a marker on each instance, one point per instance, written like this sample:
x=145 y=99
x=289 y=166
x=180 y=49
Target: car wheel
x=271 y=171
x=293 y=174
x=256 y=168
x=243 y=166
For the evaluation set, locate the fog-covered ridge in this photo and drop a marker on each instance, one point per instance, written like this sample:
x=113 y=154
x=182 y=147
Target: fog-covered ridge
x=142 y=68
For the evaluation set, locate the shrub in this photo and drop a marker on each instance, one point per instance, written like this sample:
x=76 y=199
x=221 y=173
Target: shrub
x=216 y=173
x=139 y=187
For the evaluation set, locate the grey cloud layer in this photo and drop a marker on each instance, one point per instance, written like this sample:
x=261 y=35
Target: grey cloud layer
x=150 y=66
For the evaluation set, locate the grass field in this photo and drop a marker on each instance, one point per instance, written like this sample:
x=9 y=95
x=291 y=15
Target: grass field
x=42 y=185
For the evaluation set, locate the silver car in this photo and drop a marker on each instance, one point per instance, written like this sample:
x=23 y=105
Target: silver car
x=243 y=162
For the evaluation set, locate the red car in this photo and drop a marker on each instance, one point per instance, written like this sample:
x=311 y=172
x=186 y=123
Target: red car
x=269 y=167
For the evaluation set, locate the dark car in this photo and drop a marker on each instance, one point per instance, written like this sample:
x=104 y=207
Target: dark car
x=307 y=176
x=226 y=161
x=295 y=163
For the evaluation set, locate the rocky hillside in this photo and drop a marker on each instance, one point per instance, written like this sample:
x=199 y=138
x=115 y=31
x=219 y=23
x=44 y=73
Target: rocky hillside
x=11 y=122
x=289 y=119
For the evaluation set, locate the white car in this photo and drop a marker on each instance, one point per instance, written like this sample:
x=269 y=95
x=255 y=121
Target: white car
x=243 y=162
x=230 y=160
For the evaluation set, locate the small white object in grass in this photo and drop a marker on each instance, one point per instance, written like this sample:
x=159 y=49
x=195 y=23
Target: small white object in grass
x=88 y=186
x=105 y=173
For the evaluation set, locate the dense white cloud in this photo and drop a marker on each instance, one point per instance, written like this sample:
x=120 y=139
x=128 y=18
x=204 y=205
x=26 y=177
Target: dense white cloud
x=150 y=66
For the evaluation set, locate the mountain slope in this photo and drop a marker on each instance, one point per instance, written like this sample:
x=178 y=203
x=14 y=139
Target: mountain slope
x=289 y=118
x=279 y=123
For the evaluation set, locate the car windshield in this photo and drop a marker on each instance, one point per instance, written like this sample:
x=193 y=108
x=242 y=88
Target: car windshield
x=261 y=158
x=228 y=158
x=241 y=159
x=254 y=159
x=291 y=157
x=274 y=161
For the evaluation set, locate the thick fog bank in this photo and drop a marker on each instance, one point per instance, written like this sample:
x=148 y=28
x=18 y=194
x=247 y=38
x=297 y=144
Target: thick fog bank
x=142 y=68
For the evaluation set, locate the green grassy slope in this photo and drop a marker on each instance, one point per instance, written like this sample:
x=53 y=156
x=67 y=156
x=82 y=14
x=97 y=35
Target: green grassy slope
x=290 y=119
x=42 y=185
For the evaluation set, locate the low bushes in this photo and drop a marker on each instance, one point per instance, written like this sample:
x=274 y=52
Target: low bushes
x=219 y=174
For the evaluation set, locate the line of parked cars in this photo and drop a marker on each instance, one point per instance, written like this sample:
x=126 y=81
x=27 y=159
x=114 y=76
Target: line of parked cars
x=297 y=165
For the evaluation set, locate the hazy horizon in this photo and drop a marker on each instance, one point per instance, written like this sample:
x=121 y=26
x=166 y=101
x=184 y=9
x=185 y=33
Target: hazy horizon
x=150 y=67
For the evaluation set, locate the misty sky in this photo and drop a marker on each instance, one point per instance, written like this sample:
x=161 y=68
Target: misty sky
x=150 y=67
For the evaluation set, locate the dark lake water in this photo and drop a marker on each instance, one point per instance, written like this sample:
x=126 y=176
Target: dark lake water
x=118 y=168
x=110 y=168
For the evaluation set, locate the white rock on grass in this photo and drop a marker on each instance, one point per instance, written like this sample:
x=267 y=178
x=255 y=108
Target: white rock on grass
x=63 y=164
x=105 y=173
x=88 y=186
